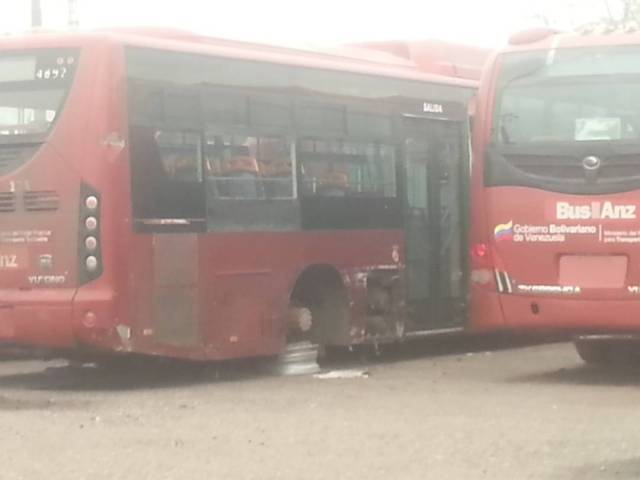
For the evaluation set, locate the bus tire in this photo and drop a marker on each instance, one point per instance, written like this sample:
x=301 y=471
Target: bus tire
x=594 y=352
x=622 y=353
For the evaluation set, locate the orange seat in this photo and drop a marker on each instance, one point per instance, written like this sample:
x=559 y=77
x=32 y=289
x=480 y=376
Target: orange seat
x=279 y=168
x=334 y=179
x=240 y=164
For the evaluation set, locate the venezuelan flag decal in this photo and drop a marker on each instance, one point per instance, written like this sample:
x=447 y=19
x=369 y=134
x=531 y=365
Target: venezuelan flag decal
x=503 y=231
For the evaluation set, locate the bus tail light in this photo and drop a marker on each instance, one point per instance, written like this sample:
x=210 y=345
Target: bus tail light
x=90 y=243
x=480 y=251
x=91 y=202
x=481 y=257
x=91 y=223
x=89 y=248
x=91 y=263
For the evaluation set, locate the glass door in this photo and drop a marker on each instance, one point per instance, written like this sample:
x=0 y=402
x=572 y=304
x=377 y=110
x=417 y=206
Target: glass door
x=436 y=169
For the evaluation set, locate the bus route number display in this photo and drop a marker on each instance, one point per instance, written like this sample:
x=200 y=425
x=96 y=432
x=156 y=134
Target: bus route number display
x=54 y=68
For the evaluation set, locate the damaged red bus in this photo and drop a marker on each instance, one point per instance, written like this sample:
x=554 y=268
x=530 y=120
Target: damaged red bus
x=168 y=194
x=555 y=235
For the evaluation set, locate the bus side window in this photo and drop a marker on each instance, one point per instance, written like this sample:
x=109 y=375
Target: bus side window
x=146 y=171
x=247 y=167
x=180 y=154
x=339 y=168
x=166 y=173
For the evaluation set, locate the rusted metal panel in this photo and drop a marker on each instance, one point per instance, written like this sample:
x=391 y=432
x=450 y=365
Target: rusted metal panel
x=176 y=319
x=175 y=293
x=175 y=259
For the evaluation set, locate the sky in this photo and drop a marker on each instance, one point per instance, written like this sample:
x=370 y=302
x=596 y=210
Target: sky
x=486 y=23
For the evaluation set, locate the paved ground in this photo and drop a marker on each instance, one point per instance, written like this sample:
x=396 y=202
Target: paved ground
x=532 y=412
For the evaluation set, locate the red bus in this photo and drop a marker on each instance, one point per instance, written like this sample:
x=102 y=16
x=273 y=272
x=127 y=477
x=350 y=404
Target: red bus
x=168 y=194
x=555 y=236
x=437 y=56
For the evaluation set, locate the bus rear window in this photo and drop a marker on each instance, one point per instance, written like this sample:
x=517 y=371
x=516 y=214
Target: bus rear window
x=554 y=108
x=568 y=95
x=33 y=87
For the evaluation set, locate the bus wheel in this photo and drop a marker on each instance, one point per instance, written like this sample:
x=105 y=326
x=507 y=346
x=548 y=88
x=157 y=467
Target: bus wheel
x=609 y=352
x=594 y=352
x=320 y=308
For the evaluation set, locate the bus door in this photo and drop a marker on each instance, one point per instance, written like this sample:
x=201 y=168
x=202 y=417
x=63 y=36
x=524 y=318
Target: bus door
x=436 y=168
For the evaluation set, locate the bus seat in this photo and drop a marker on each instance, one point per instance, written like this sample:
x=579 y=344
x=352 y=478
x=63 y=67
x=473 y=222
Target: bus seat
x=334 y=184
x=240 y=164
x=278 y=178
x=239 y=177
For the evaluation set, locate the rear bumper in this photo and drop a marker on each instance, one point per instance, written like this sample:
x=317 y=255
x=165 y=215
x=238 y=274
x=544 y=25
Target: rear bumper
x=53 y=318
x=36 y=324
x=576 y=315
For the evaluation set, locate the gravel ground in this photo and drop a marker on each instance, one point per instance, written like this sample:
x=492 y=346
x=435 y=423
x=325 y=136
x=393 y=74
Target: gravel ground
x=431 y=411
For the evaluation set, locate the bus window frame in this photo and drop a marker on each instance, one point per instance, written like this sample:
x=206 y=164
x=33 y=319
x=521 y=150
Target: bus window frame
x=390 y=100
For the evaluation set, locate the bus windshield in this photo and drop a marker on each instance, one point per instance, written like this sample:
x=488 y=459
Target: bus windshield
x=33 y=86
x=569 y=95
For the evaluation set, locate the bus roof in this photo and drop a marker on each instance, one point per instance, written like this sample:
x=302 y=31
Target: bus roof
x=545 y=39
x=436 y=56
x=349 y=59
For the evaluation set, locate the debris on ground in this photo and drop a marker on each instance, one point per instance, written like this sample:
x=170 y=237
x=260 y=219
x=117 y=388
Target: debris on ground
x=342 y=374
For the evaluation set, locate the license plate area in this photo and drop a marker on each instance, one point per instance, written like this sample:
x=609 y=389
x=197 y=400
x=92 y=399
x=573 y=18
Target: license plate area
x=593 y=271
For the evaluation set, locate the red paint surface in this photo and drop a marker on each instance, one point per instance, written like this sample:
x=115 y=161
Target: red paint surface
x=244 y=279
x=606 y=299
x=438 y=57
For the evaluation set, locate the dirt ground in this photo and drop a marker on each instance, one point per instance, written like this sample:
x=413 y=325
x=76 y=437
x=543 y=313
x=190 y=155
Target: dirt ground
x=432 y=411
